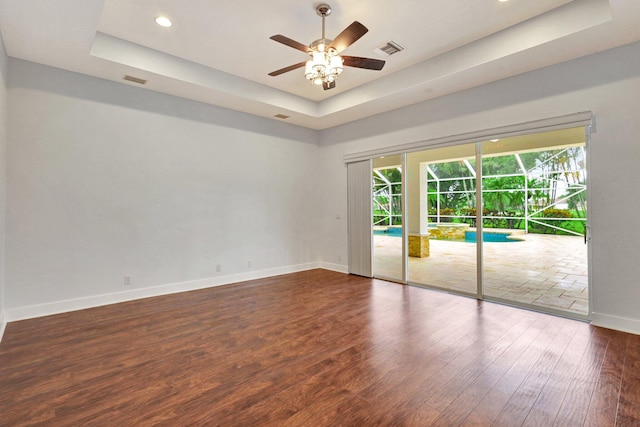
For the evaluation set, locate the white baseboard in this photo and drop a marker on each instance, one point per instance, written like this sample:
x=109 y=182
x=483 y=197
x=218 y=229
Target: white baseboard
x=615 y=322
x=9 y=315
x=56 y=307
x=334 y=267
x=3 y=325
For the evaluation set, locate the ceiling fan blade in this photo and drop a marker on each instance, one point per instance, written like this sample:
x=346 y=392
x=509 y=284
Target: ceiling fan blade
x=367 y=63
x=290 y=42
x=348 y=36
x=328 y=85
x=287 y=69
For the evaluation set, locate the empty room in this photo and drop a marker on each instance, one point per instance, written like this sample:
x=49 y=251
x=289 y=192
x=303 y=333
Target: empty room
x=318 y=214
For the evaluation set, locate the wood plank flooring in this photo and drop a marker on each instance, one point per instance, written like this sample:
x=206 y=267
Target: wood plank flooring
x=316 y=348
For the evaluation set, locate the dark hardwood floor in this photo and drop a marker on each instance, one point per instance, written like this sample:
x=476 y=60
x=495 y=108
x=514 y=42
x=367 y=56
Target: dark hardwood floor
x=312 y=349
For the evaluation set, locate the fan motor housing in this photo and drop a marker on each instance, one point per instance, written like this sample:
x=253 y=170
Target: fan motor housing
x=320 y=42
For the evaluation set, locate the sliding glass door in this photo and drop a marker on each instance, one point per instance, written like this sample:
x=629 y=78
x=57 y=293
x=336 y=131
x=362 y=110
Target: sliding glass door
x=535 y=201
x=388 y=221
x=504 y=220
x=441 y=191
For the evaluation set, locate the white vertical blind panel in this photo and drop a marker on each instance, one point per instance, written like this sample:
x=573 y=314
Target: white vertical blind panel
x=359 y=194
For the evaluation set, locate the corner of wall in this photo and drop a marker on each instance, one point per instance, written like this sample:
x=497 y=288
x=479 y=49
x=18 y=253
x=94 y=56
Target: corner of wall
x=617 y=323
x=3 y=145
x=3 y=325
x=339 y=268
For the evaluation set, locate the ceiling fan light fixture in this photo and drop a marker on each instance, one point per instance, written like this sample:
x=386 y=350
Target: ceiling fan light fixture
x=336 y=65
x=326 y=64
x=319 y=62
x=309 y=74
x=323 y=67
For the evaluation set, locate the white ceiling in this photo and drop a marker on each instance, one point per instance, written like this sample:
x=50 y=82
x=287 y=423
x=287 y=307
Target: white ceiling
x=220 y=53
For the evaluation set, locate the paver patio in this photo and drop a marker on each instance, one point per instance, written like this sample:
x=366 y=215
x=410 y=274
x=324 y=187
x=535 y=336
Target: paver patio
x=543 y=270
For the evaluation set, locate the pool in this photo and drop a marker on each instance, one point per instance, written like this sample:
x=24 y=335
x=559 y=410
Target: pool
x=470 y=236
x=391 y=231
x=488 y=236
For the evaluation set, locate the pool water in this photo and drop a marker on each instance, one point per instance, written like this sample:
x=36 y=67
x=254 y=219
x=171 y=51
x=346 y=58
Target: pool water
x=470 y=236
x=487 y=236
x=392 y=231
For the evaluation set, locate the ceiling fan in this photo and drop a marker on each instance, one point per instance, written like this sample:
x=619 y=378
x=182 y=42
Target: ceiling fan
x=326 y=62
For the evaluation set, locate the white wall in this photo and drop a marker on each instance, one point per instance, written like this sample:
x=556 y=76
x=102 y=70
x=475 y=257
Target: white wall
x=107 y=180
x=607 y=84
x=3 y=146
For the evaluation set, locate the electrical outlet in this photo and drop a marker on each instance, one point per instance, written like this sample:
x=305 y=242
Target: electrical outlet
x=127 y=280
x=218 y=268
x=248 y=264
x=339 y=258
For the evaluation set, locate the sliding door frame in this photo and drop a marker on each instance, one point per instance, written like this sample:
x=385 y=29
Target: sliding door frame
x=404 y=237
x=582 y=119
x=479 y=225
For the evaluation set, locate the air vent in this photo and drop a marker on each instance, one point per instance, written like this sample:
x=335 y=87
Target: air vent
x=389 y=48
x=281 y=116
x=134 y=79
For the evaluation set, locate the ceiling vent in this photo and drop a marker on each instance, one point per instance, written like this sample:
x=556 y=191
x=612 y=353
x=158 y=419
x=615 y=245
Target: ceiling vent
x=134 y=79
x=281 y=116
x=389 y=48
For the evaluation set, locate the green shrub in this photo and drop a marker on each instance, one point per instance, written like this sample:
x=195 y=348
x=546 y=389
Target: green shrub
x=557 y=213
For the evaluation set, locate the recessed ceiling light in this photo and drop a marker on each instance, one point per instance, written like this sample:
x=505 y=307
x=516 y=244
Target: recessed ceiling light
x=496 y=140
x=503 y=1
x=163 y=21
